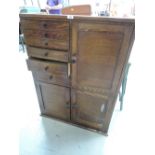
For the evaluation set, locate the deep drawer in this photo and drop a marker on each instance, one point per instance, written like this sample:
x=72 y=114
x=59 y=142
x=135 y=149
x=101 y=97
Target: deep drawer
x=50 y=72
x=47 y=54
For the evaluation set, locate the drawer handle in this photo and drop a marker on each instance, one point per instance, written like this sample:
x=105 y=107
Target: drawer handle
x=46 y=68
x=46 y=54
x=50 y=77
x=45 y=25
x=46 y=35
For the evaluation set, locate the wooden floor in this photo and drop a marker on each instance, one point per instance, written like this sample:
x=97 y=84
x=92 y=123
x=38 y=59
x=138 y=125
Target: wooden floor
x=128 y=132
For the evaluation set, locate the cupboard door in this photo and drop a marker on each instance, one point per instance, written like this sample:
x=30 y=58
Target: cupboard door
x=54 y=100
x=99 y=53
x=88 y=109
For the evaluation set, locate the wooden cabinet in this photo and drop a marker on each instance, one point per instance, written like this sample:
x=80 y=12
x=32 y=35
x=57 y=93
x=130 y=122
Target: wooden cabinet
x=78 y=65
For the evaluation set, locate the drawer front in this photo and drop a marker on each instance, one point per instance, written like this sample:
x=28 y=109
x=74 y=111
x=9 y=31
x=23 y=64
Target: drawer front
x=47 y=67
x=51 y=78
x=45 y=25
x=47 y=54
x=47 y=43
x=55 y=35
x=49 y=72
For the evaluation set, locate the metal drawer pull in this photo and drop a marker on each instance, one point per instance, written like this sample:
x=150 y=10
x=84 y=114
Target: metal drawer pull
x=46 y=68
x=46 y=54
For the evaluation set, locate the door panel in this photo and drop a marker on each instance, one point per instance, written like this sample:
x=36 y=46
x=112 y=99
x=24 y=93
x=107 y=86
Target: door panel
x=54 y=100
x=88 y=109
x=97 y=50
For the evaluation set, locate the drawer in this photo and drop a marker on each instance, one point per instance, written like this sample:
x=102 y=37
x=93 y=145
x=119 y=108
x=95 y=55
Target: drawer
x=50 y=72
x=51 y=78
x=45 y=25
x=47 y=54
x=55 y=35
x=47 y=43
x=47 y=67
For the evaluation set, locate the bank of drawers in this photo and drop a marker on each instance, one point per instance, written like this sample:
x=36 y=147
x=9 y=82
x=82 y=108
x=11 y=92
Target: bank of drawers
x=46 y=34
x=47 y=47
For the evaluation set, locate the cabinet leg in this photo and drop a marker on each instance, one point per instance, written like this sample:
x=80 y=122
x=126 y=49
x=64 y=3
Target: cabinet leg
x=123 y=86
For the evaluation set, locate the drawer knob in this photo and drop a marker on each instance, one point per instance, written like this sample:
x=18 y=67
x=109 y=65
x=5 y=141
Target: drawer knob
x=50 y=77
x=46 y=35
x=46 y=68
x=46 y=54
x=45 y=25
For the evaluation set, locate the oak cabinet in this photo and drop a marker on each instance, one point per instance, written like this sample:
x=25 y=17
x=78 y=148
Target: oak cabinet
x=78 y=65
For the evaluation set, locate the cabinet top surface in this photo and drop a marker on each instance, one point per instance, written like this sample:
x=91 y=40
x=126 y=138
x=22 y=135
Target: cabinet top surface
x=75 y=17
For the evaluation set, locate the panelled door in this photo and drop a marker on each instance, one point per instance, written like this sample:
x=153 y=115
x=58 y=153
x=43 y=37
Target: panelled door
x=88 y=109
x=54 y=100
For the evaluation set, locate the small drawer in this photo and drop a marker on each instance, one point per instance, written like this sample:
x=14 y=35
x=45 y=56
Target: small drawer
x=45 y=25
x=51 y=78
x=47 y=54
x=55 y=35
x=47 y=43
x=47 y=67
